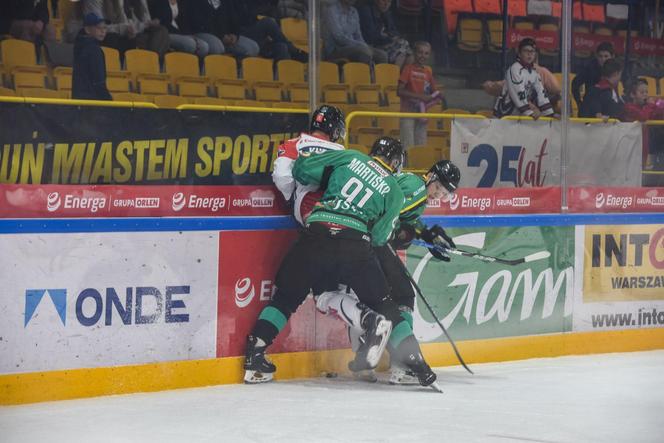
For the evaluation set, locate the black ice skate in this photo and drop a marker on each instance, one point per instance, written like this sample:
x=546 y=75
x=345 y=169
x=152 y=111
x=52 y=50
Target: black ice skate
x=377 y=330
x=416 y=364
x=258 y=369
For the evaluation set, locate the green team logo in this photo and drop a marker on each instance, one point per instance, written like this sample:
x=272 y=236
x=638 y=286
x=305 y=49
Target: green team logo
x=474 y=299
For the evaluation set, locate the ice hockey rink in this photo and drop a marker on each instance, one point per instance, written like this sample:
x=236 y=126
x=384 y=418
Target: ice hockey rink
x=594 y=398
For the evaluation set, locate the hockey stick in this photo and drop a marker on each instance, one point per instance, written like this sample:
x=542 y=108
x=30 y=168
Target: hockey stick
x=528 y=258
x=426 y=303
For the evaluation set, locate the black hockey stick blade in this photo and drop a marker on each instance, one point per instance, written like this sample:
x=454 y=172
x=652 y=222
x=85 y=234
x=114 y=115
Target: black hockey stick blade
x=529 y=258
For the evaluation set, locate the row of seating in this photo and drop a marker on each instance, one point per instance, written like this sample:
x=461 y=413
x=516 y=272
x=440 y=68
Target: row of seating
x=220 y=78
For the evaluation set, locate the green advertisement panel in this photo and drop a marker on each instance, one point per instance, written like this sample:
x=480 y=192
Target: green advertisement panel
x=475 y=299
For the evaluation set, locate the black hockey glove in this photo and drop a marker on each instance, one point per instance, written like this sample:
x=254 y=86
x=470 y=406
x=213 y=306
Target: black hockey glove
x=439 y=238
x=403 y=236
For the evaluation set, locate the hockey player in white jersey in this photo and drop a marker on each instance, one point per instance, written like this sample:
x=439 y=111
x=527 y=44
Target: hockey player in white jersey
x=523 y=91
x=326 y=130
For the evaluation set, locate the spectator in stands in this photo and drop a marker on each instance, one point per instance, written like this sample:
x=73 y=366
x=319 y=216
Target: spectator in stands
x=212 y=21
x=120 y=33
x=264 y=31
x=640 y=107
x=523 y=92
x=89 y=71
x=343 y=37
x=30 y=20
x=169 y=13
x=380 y=31
x=602 y=100
x=592 y=72
x=549 y=81
x=292 y=8
x=417 y=90
x=150 y=34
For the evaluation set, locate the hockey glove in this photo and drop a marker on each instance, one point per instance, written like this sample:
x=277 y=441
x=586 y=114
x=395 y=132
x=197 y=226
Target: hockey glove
x=438 y=237
x=403 y=236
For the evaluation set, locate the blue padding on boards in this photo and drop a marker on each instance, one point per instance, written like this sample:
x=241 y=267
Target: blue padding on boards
x=151 y=224
x=27 y=226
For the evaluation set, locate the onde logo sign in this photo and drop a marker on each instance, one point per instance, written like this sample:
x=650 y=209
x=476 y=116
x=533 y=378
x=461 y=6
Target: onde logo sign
x=140 y=305
x=623 y=263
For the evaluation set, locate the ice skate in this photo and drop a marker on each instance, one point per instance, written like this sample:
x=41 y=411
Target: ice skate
x=426 y=377
x=258 y=369
x=377 y=331
x=402 y=376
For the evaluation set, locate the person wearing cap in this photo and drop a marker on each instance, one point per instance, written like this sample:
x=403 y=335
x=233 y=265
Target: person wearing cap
x=89 y=71
x=523 y=92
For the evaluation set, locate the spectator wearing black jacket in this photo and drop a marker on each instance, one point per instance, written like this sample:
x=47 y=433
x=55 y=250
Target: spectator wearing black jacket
x=212 y=21
x=30 y=20
x=265 y=31
x=592 y=72
x=89 y=71
x=171 y=14
x=602 y=100
x=379 y=30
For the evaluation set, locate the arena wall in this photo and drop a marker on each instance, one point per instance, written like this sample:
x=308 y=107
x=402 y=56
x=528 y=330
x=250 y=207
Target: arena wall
x=106 y=306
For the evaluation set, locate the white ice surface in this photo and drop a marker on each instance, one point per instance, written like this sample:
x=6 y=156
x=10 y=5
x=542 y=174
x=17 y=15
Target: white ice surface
x=596 y=398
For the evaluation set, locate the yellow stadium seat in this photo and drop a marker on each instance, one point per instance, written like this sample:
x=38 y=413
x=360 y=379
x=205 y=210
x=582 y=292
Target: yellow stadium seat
x=20 y=64
x=170 y=101
x=652 y=85
x=258 y=72
x=388 y=124
x=62 y=76
x=438 y=138
x=469 y=34
x=446 y=124
x=367 y=135
x=41 y=93
x=131 y=97
x=213 y=101
x=495 y=27
x=524 y=24
x=222 y=72
x=296 y=31
x=144 y=68
x=334 y=92
x=117 y=80
x=387 y=77
x=358 y=76
x=603 y=30
x=358 y=122
x=184 y=72
x=6 y=92
x=421 y=157
x=291 y=74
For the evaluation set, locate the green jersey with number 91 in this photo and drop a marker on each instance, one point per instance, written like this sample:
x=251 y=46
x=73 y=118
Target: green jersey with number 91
x=360 y=192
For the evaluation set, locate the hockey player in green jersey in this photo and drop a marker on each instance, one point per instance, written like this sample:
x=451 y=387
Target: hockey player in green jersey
x=440 y=183
x=359 y=209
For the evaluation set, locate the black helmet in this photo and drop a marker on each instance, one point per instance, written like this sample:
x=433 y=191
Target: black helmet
x=446 y=173
x=329 y=120
x=389 y=148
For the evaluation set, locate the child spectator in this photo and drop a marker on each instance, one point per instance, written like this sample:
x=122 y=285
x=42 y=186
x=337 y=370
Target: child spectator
x=523 y=92
x=602 y=100
x=592 y=72
x=640 y=107
x=418 y=92
x=343 y=37
x=30 y=20
x=380 y=31
x=89 y=70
